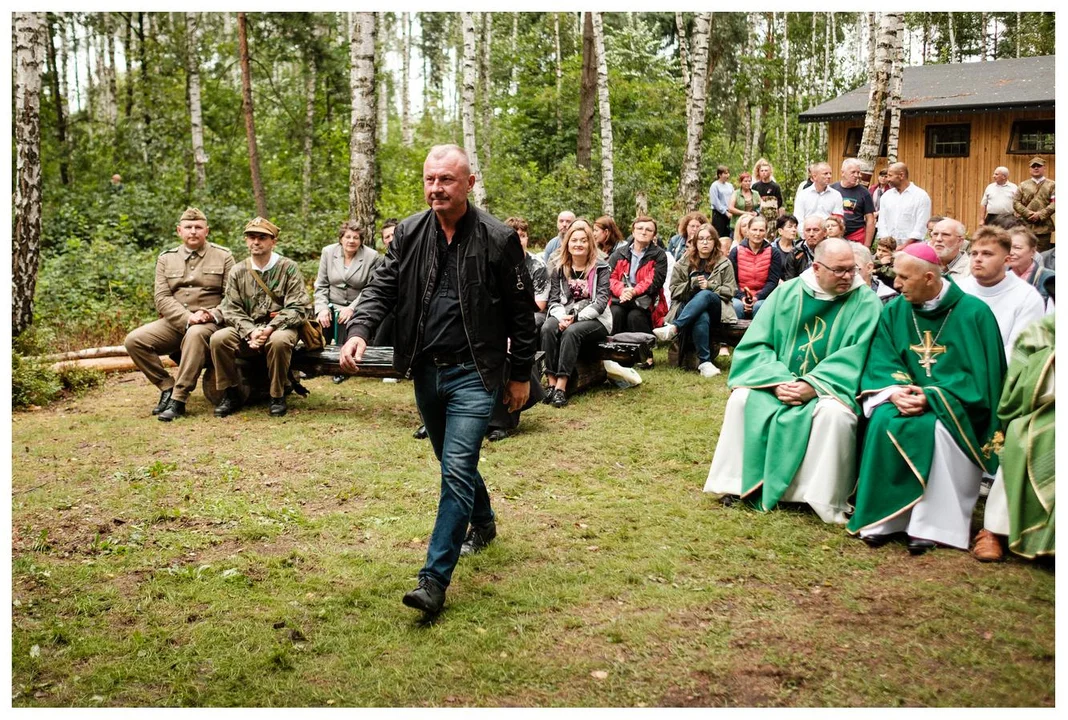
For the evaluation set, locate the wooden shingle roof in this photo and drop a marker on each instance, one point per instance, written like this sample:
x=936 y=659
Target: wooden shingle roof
x=956 y=87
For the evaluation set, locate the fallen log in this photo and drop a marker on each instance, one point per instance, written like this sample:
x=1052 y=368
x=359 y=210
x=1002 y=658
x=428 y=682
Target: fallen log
x=100 y=352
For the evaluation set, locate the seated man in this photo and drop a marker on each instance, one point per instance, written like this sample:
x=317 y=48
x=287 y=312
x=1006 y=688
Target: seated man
x=930 y=387
x=1022 y=500
x=190 y=280
x=947 y=239
x=1014 y=302
x=264 y=305
x=789 y=430
x=865 y=266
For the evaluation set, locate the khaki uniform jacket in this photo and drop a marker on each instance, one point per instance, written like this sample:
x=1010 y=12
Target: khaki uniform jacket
x=246 y=306
x=1036 y=197
x=188 y=281
x=342 y=286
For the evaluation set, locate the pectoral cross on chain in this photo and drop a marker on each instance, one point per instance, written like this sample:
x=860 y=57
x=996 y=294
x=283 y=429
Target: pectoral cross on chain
x=927 y=351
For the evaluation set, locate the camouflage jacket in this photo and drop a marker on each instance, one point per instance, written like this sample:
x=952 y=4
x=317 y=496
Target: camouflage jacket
x=246 y=306
x=1038 y=198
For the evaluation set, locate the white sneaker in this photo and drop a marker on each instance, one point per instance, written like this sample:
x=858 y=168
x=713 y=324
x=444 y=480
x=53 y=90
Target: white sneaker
x=622 y=376
x=666 y=333
x=707 y=369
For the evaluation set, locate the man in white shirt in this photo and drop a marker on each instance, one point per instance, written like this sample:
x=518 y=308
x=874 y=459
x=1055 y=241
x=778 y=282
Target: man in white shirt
x=819 y=198
x=947 y=238
x=903 y=209
x=563 y=222
x=1014 y=302
x=997 y=198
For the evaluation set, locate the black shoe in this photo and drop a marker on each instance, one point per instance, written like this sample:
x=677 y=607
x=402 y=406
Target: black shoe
x=278 y=407
x=164 y=398
x=919 y=547
x=338 y=379
x=875 y=541
x=174 y=409
x=478 y=537
x=497 y=434
x=428 y=596
x=420 y=433
x=559 y=399
x=230 y=403
x=549 y=392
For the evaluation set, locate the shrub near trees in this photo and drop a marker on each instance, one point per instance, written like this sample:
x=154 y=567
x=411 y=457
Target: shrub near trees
x=117 y=96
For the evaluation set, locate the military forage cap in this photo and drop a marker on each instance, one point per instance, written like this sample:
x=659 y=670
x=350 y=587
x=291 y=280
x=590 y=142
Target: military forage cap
x=192 y=214
x=1036 y=160
x=262 y=225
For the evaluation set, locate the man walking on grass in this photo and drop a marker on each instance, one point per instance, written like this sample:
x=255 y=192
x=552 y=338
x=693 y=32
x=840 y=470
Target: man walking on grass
x=458 y=283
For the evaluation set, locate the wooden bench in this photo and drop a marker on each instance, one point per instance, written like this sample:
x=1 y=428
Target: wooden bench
x=720 y=336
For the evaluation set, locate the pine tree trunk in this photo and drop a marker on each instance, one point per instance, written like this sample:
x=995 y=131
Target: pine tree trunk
x=309 y=140
x=382 y=83
x=486 y=85
x=825 y=86
x=877 y=96
x=29 y=37
x=196 y=121
x=894 y=99
x=784 y=146
x=560 y=73
x=608 y=181
x=984 y=38
x=406 y=103
x=127 y=44
x=113 y=89
x=250 y=122
x=690 y=182
x=74 y=58
x=362 y=142
x=478 y=193
x=587 y=95
x=146 y=92
x=90 y=86
x=57 y=97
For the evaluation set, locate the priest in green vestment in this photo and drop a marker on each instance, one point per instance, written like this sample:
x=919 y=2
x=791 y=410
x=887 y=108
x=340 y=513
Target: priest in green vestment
x=789 y=430
x=1022 y=501
x=930 y=389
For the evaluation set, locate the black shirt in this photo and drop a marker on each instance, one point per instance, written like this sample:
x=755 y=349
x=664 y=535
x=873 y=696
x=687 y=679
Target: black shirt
x=857 y=202
x=769 y=189
x=444 y=333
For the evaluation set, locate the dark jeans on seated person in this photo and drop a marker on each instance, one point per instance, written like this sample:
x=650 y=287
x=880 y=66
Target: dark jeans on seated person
x=699 y=315
x=456 y=409
x=629 y=317
x=562 y=349
x=740 y=311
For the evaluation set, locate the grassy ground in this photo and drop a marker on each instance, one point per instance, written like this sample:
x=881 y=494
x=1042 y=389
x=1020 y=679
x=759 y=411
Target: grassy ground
x=259 y=562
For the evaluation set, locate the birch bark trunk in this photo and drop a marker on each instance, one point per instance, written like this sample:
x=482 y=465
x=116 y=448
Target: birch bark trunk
x=608 y=182
x=486 y=87
x=362 y=144
x=894 y=98
x=560 y=71
x=690 y=181
x=309 y=139
x=200 y=158
x=29 y=51
x=478 y=193
x=877 y=96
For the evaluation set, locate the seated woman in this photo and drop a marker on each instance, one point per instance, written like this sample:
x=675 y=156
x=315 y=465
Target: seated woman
x=702 y=287
x=344 y=269
x=688 y=225
x=606 y=235
x=834 y=227
x=741 y=231
x=578 y=308
x=639 y=270
x=757 y=267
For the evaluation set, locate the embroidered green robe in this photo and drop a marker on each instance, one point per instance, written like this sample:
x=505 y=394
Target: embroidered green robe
x=1028 y=458
x=959 y=361
x=796 y=336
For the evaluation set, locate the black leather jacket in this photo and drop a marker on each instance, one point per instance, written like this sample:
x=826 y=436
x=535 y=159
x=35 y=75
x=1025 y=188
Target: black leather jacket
x=496 y=295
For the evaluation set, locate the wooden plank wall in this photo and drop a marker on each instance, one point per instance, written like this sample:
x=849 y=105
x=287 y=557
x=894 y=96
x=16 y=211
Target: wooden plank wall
x=955 y=184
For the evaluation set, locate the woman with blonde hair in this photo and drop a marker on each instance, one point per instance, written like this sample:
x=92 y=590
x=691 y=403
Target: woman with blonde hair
x=579 y=294
x=771 y=204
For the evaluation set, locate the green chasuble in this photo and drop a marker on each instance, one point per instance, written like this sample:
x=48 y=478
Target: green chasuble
x=1027 y=461
x=797 y=336
x=955 y=354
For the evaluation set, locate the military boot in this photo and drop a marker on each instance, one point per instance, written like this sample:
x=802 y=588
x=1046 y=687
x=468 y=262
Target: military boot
x=174 y=409
x=164 y=398
x=230 y=403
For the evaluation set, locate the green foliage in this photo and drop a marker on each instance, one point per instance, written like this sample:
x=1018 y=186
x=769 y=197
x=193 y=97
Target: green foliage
x=32 y=382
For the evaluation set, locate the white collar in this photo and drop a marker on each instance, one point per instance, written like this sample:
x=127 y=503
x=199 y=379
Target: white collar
x=270 y=263
x=809 y=278
x=937 y=300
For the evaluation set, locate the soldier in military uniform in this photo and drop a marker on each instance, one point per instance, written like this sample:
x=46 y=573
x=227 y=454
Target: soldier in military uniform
x=256 y=322
x=189 y=286
x=1035 y=203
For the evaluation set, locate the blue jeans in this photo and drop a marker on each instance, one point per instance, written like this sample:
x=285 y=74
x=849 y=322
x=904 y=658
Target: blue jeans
x=456 y=410
x=700 y=313
x=740 y=311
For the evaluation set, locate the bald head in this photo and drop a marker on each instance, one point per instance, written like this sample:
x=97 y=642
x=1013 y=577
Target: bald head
x=821 y=175
x=563 y=221
x=834 y=266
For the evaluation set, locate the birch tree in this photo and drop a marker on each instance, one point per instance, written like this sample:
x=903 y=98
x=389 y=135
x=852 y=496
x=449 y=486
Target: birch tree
x=362 y=193
x=560 y=71
x=587 y=94
x=894 y=97
x=468 y=107
x=690 y=182
x=889 y=37
x=608 y=183
x=310 y=78
x=29 y=36
x=57 y=96
x=250 y=121
x=200 y=158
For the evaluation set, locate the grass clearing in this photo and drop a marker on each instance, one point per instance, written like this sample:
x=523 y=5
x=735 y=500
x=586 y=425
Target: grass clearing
x=259 y=562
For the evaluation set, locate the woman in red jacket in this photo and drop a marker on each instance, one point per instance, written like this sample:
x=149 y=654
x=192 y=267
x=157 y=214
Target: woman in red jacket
x=757 y=266
x=639 y=270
